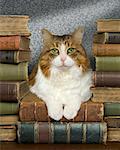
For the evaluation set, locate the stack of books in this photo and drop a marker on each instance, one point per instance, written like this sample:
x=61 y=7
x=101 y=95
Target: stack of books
x=14 y=57
x=106 y=49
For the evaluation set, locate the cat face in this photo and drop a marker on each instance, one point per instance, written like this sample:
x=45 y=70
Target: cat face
x=62 y=52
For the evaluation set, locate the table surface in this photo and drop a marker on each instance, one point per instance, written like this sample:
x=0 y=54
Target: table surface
x=15 y=146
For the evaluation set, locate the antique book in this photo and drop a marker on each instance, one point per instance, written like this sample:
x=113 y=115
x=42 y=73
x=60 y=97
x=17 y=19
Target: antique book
x=112 y=121
x=108 y=25
x=106 y=79
x=111 y=109
x=8 y=119
x=14 y=72
x=14 y=25
x=14 y=56
x=45 y=132
x=113 y=135
x=7 y=133
x=106 y=49
x=105 y=63
x=14 y=43
x=13 y=90
x=9 y=108
x=107 y=38
x=105 y=94
x=34 y=109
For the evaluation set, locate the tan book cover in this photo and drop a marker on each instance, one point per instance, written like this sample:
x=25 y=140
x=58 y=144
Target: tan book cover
x=113 y=134
x=8 y=119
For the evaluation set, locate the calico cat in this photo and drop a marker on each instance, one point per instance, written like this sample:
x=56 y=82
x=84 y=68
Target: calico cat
x=62 y=77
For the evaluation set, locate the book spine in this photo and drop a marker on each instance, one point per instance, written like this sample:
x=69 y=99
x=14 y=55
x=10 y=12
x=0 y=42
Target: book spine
x=112 y=122
x=62 y=132
x=113 y=135
x=107 y=63
x=113 y=38
x=112 y=109
x=7 y=56
x=107 y=79
x=14 y=72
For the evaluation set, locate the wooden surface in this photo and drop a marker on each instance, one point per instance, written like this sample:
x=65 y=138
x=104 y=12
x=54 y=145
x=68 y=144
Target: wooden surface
x=15 y=146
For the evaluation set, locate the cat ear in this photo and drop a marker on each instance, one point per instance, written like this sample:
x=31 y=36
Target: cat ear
x=47 y=36
x=78 y=34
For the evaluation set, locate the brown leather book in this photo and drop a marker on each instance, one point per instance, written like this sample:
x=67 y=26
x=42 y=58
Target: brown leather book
x=108 y=25
x=106 y=49
x=106 y=79
x=34 y=109
x=13 y=91
x=113 y=134
x=105 y=94
x=14 y=43
x=112 y=121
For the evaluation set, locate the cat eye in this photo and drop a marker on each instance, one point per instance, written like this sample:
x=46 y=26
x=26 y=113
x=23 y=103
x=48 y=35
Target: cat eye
x=54 y=51
x=70 y=50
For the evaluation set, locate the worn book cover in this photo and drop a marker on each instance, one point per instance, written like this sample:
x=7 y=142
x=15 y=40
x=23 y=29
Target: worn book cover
x=44 y=132
x=8 y=119
x=34 y=109
x=112 y=121
x=13 y=90
x=113 y=135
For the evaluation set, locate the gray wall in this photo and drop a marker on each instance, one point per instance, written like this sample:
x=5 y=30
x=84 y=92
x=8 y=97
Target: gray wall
x=61 y=17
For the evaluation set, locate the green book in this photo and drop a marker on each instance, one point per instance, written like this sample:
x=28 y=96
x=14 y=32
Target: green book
x=112 y=109
x=14 y=72
x=108 y=63
x=8 y=108
x=58 y=132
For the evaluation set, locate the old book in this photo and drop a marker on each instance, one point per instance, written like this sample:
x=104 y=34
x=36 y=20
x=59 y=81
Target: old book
x=113 y=135
x=34 y=109
x=111 y=109
x=107 y=38
x=106 y=49
x=14 y=72
x=14 y=56
x=14 y=25
x=8 y=119
x=105 y=63
x=7 y=133
x=14 y=43
x=108 y=25
x=112 y=121
x=9 y=108
x=105 y=94
x=13 y=91
x=106 y=79
x=44 y=132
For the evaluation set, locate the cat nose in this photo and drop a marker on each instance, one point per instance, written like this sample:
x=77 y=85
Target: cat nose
x=63 y=58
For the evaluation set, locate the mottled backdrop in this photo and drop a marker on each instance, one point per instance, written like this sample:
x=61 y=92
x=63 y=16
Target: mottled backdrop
x=61 y=17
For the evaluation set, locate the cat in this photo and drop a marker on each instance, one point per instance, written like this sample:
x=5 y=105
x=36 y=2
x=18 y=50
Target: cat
x=62 y=78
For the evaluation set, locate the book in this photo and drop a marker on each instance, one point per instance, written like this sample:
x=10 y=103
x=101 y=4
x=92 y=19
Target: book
x=12 y=57
x=105 y=94
x=106 y=49
x=108 y=25
x=44 y=132
x=112 y=121
x=113 y=135
x=107 y=38
x=9 y=108
x=15 y=42
x=34 y=109
x=13 y=90
x=14 y=25
x=111 y=109
x=106 y=79
x=7 y=133
x=8 y=119
x=14 y=72
x=105 y=63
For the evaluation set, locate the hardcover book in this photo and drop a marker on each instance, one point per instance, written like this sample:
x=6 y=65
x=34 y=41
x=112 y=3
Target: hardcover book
x=106 y=79
x=44 y=132
x=112 y=121
x=105 y=94
x=14 y=43
x=14 y=25
x=113 y=135
x=8 y=119
x=108 y=25
x=14 y=72
x=13 y=91
x=106 y=49
x=34 y=109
